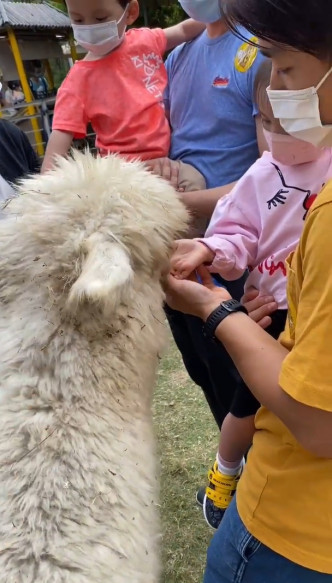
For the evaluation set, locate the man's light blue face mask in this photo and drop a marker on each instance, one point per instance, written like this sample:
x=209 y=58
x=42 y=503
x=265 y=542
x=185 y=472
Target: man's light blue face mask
x=206 y=11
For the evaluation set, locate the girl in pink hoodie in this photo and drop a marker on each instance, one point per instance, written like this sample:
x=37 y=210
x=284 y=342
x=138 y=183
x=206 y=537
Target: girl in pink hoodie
x=255 y=227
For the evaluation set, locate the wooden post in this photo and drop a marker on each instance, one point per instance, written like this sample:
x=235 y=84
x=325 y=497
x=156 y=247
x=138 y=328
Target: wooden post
x=26 y=90
x=73 y=50
x=49 y=74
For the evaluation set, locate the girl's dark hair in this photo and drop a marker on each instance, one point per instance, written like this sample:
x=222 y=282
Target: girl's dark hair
x=263 y=76
x=304 y=25
x=123 y=3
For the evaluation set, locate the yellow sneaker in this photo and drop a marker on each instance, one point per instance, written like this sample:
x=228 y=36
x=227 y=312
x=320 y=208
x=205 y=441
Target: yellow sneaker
x=218 y=495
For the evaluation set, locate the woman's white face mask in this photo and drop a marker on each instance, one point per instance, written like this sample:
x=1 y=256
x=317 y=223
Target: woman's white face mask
x=299 y=115
x=100 y=39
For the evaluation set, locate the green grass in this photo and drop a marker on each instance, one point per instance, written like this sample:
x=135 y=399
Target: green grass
x=188 y=438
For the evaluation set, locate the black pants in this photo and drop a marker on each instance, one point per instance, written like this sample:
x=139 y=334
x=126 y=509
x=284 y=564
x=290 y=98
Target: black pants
x=207 y=362
x=244 y=403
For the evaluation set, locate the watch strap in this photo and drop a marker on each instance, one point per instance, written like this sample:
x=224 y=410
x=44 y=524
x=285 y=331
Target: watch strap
x=219 y=314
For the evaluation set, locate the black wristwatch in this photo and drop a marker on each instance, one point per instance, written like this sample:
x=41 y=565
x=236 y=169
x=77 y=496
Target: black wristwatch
x=219 y=314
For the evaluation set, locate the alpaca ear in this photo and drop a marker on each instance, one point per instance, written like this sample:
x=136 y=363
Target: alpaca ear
x=106 y=275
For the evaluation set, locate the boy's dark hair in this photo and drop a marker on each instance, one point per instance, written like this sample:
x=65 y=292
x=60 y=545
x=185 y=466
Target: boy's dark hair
x=304 y=25
x=123 y=3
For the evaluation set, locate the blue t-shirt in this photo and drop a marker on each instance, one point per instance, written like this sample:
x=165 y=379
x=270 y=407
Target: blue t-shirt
x=210 y=98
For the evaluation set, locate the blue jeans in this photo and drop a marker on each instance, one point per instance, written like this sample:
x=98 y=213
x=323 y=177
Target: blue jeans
x=235 y=556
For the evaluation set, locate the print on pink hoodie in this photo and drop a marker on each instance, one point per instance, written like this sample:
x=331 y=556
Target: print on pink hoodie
x=260 y=222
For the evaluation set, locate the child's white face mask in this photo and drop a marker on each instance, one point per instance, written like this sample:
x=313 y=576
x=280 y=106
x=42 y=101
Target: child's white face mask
x=299 y=115
x=99 y=39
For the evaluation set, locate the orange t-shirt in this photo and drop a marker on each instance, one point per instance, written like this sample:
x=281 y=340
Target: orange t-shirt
x=121 y=95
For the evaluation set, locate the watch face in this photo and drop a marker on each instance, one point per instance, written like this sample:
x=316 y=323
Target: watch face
x=229 y=305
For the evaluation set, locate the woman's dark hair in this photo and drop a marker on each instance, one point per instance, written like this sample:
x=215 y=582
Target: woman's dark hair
x=305 y=25
x=123 y=3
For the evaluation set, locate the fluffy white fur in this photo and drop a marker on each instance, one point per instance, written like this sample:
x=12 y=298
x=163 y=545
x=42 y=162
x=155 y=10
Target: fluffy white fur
x=81 y=327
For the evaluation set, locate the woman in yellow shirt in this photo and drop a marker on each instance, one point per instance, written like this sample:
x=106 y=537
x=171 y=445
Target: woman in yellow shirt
x=279 y=527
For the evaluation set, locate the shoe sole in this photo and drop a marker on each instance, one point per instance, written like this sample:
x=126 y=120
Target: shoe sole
x=200 y=493
x=198 y=501
x=204 y=513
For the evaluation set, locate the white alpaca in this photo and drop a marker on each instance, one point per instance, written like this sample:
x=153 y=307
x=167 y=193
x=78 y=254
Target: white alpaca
x=81 y=327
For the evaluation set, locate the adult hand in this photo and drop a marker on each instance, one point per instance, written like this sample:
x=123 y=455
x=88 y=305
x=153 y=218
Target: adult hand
x=259 y=306
x=194 y=298
x=166 y=168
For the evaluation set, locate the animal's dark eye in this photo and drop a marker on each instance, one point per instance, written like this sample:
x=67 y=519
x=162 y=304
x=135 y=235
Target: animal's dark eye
x=278 y=198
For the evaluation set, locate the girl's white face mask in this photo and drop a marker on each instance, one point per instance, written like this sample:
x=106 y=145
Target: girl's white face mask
x=99 y=39
x=299 y=115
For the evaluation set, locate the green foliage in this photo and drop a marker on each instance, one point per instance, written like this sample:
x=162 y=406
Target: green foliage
x=161 y=13
x=60 y=69
x=59 y=5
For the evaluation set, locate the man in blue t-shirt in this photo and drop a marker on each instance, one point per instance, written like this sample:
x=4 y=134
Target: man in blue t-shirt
x=215 y=128
x=210 y=105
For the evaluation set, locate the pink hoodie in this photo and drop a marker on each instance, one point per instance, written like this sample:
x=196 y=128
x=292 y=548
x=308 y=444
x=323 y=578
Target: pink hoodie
x=260 y=222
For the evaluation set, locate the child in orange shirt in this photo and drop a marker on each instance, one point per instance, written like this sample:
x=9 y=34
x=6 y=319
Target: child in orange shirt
x=119 y=85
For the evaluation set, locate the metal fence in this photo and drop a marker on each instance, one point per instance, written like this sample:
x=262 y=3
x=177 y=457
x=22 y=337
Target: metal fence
x=35 y=119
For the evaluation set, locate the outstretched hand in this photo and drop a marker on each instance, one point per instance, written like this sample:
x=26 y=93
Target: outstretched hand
x=194 y=297
x=198 y=296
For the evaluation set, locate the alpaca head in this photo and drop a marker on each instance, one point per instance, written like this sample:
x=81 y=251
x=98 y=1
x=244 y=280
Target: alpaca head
x=91 y=226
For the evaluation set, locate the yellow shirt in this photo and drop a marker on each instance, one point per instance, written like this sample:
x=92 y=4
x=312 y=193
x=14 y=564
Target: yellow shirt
x=285 y=495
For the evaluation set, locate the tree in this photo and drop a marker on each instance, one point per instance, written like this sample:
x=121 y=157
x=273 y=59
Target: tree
x=161 y=13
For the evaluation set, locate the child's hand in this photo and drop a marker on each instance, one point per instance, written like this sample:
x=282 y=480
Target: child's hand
x=188 y=256
x=166 y=168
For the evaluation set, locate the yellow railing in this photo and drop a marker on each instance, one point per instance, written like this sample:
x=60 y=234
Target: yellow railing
x=26 y=90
